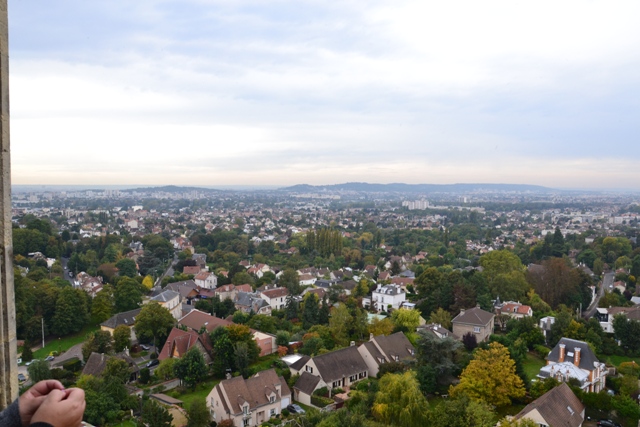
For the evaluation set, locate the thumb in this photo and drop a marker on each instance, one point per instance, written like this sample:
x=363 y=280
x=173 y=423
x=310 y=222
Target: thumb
x=55 y=396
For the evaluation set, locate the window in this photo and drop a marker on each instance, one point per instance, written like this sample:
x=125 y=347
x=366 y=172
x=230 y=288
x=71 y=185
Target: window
x=245 y=409
x=272 y=399
x=309 y=369
x=476 y=329
x=353 y=378
x=272 y=412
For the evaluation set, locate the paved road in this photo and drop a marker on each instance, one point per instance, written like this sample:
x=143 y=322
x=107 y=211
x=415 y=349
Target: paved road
x=65 y=270
x=605 y=286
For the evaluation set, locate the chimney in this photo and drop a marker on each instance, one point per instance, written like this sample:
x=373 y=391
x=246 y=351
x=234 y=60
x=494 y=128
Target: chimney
x=561 y=357
x=461 y=311
x=370 y=337
x=576 y=356
x=353 y=343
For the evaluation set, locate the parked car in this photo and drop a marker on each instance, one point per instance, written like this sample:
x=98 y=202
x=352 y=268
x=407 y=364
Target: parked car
x=30 y=362
x=49 y=358
x=144 y=347
x=295 y=409
x=608 y=423
x=21 y=377
x=153 y=362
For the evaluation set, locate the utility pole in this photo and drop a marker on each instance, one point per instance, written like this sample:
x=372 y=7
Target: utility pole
x=8 y=344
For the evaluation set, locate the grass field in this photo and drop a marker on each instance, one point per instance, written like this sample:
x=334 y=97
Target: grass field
x=201 y=392
x=617 y=360
x=64 y=343
x=532 y=365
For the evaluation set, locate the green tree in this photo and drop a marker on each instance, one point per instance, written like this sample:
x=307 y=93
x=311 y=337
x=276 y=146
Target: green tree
x=155 y=415
x=191 y=368
x=154 y=321
x=490 y=377
x=241 y=353
x=127 y=295
x=165 y=370
x=39 y=370
x=103 y=304
x=505 y=274
x=441 y=317
x=406 y=319
x=98 y=342
x=127 y=267
x=339 y=324
x=121 y=338
x=461 y=412
x=290 y=280
x=435 y=358
x=71 y=311
x=399 y=401
x=198 y=414
x=310 y=310
x=223 y=351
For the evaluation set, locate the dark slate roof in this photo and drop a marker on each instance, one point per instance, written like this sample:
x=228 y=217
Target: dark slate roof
x=299 y=364
x=307 y=383
x=559 y=407
x=473 y=316
x=98 y=361
x=339 y=364
x=125 y=318
x=165 y=296
x=587 y=358
x=254 y=391
x=395 y=345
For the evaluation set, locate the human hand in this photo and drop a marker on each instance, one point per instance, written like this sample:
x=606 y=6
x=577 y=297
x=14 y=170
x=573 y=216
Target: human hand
x=31 y=399
x=62 y=408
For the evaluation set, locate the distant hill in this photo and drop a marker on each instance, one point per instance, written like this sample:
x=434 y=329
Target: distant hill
x=172 y=189
x=417 y=188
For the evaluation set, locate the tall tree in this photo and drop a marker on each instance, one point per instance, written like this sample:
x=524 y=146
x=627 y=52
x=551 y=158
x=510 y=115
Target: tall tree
x=39 y=370
x=98 y=342
x=191 y=368
x=103 y=304
x=436 y=358
x=310 y=310
x=127 y=295
x=198 y=414
x=399 y=401
x=154 y=321
x=155 y=415
x=490 y=377
x=121 y=338
x=127 y=267
x=72 y=312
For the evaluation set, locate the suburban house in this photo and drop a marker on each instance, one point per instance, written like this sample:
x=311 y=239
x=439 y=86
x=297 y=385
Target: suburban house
x=249 y=301
x=386 y=349
x=171 y=301
x=337 y=369
x=196 y=320
x=179 y=342
x=89 y=284
x=191 y=269
x=575 y=359
x=306 y=279
x=188 y=290
x=475 y=321
x=605 y=316
x=388 y=297
x=276 y=298
x=125 y=318
x=97 y=362
x=230 y=291
x=249 y=402
x=435 y=329
x=546 y=323
x=557 y=407
x=206 y=280
x=514 y=310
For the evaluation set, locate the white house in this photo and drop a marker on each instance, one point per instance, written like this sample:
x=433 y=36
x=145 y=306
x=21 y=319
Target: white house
x=171 y=301
x=387 y=296
x=206 y=280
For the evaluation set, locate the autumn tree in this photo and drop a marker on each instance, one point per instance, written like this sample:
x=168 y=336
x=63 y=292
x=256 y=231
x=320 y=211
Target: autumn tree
x=381 y=326
x=406 y=319
x=490 y=377
x=399 y=401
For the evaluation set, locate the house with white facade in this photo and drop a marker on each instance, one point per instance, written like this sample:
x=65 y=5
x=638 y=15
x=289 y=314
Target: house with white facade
x=249 y=402
x=386 y=297
x=206 y=280
x=171 y=301
x=386 y=349
x=276 y=298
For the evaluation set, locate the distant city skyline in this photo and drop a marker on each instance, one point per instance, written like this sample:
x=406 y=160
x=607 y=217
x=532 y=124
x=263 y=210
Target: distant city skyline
x=214 y=93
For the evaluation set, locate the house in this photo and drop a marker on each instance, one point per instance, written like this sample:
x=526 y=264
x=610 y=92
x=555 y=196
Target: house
x=188 y=290
x=605 y=316
x=386 y=349
x=306 y=279
x=191 y=269
x=545 y=324
x=171 y=301
x=125 y=318
x=436 y=329
x=388 y=297
x=276 y=298
x=251 y=302
x=97 y=363
x=179 y=342
x=574 y=359
x=201 y=260
x=337 y=369
x=197 y=319
x=514 y=310
x=558 y=407
x=475 y=321
x=249 y=402
x=206 y=280
x=230 y=291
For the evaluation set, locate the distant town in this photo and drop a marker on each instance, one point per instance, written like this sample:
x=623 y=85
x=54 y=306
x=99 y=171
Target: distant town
x=350 y=304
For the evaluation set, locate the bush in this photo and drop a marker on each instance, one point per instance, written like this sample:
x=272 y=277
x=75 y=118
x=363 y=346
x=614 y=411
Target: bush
x=541 y=350
x=320 y=401
x=153 y=356
x=73 y=365
x=285 y=412
x=323 y=391
x=145 y=375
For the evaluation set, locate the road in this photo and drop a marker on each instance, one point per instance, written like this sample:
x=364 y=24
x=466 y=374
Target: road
x=605 y=285
x=65 y=270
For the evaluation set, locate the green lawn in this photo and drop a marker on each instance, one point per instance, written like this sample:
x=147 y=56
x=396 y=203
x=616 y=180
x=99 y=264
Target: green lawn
x=201 y=392
x=127 y=423
x=617 y=360
x=265 y=362
x=64 y=343
x=532 y=365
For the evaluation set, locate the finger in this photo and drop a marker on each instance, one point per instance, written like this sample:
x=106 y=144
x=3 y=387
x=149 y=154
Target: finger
x=56 y=396
x=76 y=394
x=44 y=387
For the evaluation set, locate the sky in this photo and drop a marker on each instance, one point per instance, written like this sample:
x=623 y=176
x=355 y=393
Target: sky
x=278 y=92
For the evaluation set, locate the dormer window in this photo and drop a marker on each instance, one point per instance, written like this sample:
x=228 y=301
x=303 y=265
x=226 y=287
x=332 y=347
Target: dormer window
x=245 y=409
x=272 y=399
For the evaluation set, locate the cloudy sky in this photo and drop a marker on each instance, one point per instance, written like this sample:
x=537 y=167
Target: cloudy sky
x=277 y=92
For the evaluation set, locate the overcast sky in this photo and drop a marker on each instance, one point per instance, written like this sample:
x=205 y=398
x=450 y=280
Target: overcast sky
x=277 y=92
